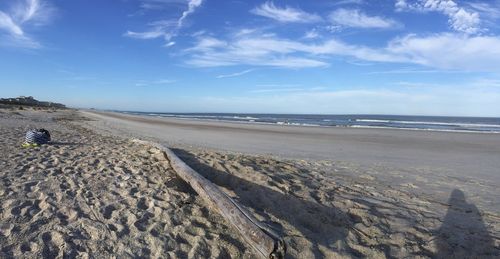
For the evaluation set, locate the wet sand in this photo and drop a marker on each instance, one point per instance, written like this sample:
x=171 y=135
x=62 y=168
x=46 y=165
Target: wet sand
x=463 y=154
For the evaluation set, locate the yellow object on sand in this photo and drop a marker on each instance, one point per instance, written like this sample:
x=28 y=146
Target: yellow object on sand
x=28 y=145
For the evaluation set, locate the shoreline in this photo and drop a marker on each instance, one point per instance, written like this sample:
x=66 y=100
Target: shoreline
x=462 y=152
x=251 y=120
x=229 y=123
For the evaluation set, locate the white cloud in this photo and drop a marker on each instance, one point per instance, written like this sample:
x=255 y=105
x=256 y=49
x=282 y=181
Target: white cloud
x=164 y=28
x=143 y=83
x=278 y=85
x=412 y=71
x=153 y=34
x=164 y=81
x=236 y=74
x=161 y=28
x=169 y=44
x=487 y=82
x=347 y=2
x=36 y=12
x=159 y=4
x=459 y=18
x=284 y=88
x=285 y=14
x=357 y=19
x=269 y=50
x=312 y=34
x=441 y=51
x=21 y=15
x=6 y=23
x=450 y=51
x=250 y=49
x=491 y=10
x=192 y=5
x=277 y=90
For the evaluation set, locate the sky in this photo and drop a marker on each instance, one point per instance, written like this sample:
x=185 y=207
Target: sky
x=408 y=57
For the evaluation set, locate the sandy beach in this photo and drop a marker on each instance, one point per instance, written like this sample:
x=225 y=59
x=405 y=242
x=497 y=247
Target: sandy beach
x=422 y=162
x=331 y=193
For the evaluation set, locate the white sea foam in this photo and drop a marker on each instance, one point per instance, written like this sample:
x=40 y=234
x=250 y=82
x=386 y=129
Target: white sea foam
x=343 y=121
x=420 y=129
x=458 y=124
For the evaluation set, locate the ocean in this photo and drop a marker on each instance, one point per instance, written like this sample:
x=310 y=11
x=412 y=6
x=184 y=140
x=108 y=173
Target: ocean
x=434 y=123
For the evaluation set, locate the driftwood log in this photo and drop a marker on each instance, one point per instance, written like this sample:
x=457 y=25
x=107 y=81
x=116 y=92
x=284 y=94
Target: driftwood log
x=263 y=240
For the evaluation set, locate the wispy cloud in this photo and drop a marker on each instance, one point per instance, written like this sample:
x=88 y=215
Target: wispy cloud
x=269 y=50
x=192 y=5
x=6 y=23
x=236 y=74
x=144 y=83
x=159 y=4
x=412 y=71
x=449 y=51
x=491 y=10
x=80 y=78
x=278 y=85
x=478 y=83
x=441 y=51
x=459 y=18
x=250 y=49
x=274 y=90
x=357 y=19
x=487 y=82
x=312 y=34
x=285 y=88
x=347 y=2
x=285 y=14
x=22 y=14
x=166 y=29
x=162 y=28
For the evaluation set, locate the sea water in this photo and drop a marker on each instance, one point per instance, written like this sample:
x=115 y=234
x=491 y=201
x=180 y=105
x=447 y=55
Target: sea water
x=435 y=123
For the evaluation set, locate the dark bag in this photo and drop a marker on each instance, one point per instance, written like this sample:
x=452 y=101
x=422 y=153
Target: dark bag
x=37 y=136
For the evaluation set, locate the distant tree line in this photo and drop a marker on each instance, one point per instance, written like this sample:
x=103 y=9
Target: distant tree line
x=30 y=101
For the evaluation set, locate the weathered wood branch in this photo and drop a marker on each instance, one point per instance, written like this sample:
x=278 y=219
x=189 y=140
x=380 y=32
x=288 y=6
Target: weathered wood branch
x=263 y=240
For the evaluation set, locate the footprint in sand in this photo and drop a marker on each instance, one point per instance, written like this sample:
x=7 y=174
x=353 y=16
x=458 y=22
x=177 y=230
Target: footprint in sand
x=107 y=212
x=27 y=247
x=67 y=215
x=143 y=223
x=144 y=204
x=22 y=209
x=6 y=229
x=52 y=244
x=29 y=186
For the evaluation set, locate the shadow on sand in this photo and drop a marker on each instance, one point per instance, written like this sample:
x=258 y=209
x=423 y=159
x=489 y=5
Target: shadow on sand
x=58 y=143
x=463 y=233
x=317 y=223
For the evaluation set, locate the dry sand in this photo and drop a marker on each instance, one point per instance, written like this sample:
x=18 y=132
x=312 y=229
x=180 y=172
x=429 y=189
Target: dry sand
x=92 y=194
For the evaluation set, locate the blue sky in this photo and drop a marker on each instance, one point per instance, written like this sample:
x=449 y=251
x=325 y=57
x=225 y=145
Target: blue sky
x=421 y=57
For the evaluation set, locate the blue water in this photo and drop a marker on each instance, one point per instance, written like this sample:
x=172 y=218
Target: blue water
x=436 y=123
